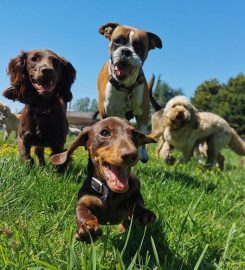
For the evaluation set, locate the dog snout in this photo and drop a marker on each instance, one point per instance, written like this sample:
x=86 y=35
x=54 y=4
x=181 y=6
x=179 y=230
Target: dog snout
x=126 y=53
x=129 y=157
x=46 y=71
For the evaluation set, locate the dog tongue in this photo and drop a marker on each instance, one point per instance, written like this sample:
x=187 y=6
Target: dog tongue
x=43 y=88
x=121 y=70
x=118 y=177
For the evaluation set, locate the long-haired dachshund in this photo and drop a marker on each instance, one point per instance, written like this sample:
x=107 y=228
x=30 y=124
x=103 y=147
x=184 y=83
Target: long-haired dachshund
x=110 y=193
x=42 y=81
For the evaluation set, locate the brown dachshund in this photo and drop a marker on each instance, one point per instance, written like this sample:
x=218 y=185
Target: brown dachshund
x=41 y=80
x=110 y=193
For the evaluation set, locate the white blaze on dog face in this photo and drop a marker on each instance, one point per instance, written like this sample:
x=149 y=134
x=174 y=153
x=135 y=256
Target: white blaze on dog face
x=122 y=47
x=134 y=39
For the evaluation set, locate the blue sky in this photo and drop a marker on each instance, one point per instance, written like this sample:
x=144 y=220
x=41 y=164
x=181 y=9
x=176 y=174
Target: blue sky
x=201 y=39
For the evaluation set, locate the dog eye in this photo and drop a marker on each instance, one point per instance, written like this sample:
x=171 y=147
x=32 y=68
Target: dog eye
x=34 y=59
x=119 y=41
x=55 y=61
x=105 y=133
x=138 y=47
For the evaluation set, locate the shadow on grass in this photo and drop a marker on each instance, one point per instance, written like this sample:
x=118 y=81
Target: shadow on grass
x=153 y=249
x=163 y=253
x=183 y=178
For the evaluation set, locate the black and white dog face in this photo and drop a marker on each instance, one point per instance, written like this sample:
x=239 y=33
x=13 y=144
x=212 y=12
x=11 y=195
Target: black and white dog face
x=128 y=49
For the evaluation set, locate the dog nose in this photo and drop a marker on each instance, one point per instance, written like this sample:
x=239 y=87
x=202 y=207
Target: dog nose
x=46 y=71
x=129 y=157
x=126 y=52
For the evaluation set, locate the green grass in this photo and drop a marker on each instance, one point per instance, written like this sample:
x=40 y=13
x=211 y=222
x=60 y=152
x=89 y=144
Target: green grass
x=200 y=218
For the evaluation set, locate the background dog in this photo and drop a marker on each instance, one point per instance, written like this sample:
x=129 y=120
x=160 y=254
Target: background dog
x=156 y=119
x=9 y=120
x=42 y=80
x=121 y=83
x=110 y=193
x=185 y=127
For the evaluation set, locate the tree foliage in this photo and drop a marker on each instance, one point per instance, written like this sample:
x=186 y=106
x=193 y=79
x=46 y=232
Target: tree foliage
x=85 y=105
x=226 y=100
x=163 y=92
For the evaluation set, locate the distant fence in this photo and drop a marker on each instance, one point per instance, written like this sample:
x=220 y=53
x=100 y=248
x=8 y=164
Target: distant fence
x=80 y=119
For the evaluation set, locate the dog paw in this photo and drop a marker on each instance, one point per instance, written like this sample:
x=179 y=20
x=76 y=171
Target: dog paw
x=89 y=231
x=145 y=217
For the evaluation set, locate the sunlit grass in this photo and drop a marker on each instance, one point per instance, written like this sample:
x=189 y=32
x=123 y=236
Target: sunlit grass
x=200 y=217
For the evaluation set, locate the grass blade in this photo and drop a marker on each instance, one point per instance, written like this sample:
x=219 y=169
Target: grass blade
x=129 y=232
x=200 y=258
x=155 y=252
x=230 y=235
x=45 y=264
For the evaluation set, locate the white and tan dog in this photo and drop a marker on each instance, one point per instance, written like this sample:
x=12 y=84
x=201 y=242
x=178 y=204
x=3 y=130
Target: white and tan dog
x=121 y=83
x=185 y=128
x=11 y=121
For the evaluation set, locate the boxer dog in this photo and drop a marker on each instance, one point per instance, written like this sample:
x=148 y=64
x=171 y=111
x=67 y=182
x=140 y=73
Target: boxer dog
x=121 y=83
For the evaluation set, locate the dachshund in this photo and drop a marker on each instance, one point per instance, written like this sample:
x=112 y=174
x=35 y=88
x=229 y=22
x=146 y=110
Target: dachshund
x=110 y=193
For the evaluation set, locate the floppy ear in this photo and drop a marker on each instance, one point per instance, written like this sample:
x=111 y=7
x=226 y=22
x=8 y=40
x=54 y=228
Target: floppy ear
x=141 y=139
x=18 y=77
x=154 y=41
x=67 y=79
x=107 y=29
x=81 y=140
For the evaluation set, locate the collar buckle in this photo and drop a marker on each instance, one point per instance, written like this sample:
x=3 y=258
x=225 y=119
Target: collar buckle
x=100 y=188
x=97 y=185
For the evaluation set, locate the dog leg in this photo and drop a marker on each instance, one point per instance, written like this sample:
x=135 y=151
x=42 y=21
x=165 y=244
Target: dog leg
x=141 y=215
x=221 y=161
x=142 y=152
x=122 y=227
x=211 y=154
x=6 y=135
x=39 y=151
x=159 y=146
x=25 y=151
x=186 y=155
x=88 y=226
x=166 y=153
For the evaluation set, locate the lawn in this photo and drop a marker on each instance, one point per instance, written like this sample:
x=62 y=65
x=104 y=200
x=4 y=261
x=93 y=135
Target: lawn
x=200 y=217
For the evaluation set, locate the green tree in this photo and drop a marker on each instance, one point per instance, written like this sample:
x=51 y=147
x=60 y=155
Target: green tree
x=94 y=105
x=204 y=95
x=233 y=99
x=226 y=100
x=85 y=105
x=163 y=92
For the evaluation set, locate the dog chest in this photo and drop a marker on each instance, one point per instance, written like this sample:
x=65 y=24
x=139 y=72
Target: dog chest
x=117 y=102
x=109 y=213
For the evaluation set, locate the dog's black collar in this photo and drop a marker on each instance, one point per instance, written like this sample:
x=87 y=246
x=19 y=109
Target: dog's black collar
x=100 y=188
x=121 y=86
